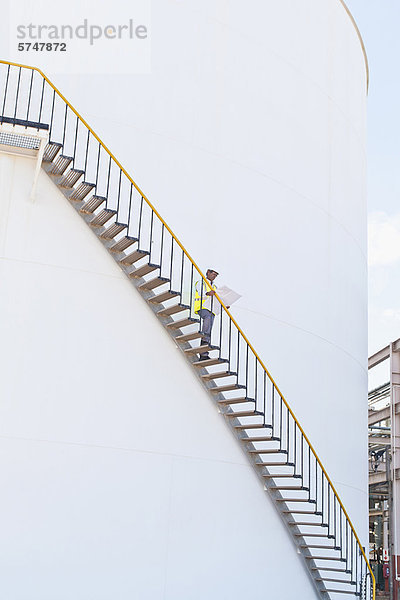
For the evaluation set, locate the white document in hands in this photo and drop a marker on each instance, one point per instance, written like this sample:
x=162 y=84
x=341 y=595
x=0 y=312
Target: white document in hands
x=227 y=296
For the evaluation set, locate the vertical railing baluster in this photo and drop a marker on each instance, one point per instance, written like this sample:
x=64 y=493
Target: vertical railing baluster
x=265 y=397
x=182 y=269
x=151 y=234
x=140 y=222
x=237 y=356
x=129 y=210
x=5 y=93
x=17 y=94
x=191 y=285
x=86 y=158
x=41 y=101
x=108 y=180
x=97 y=177
x=29 y=97
x=52 y=115
x=75 y=141
x=64 y=127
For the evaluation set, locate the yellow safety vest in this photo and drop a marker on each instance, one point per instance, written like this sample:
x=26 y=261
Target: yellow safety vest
x=200 y=296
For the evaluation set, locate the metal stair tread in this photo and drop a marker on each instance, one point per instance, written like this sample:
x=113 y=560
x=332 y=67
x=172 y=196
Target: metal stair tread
x=333 y=580
x=92 y=204
x=59 y=164
x=335 y=569
x=50 y=152
x=123 y=244
x=318 y=546
x=290 y=487
x=200 y=349
x=252 y=440
x=163 y=297
x=268 y=451
x=293 y=500
x=253 y=426
x=228 y=401
x=187 y=337
x=209 y=362
x=83 y=189
x=151 y=284
x=134 y=257
x=140 y=272
x=218 y=375
x=336 y=558
x=330 y=590
x=281 y=475
x=70 y=179
x=295 y=511
x=227 y=388
x=182 y=323
x=317 y=535
x=246 y=413
x=276 y=464
x=113 y=230
x=102 y=217
x=306 y=524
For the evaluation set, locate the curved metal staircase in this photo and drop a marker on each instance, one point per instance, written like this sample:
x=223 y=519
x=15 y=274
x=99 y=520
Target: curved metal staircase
x=162 y=271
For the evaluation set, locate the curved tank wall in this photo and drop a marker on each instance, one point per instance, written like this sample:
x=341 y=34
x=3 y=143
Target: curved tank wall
x=249 y=137
x=120 y=479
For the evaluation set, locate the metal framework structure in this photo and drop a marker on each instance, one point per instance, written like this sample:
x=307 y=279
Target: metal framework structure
x=156 y=262
x=384 y=463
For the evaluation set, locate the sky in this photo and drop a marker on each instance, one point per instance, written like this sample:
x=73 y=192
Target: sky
x=378 y=21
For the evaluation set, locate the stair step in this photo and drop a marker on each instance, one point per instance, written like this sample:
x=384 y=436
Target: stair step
x=113 y=230
x=336 y=569
x=253 y=426
x=123 y=244
x=285 y=475
x=276 y=464
x=227 y=402
x=340 y=591
x=295 y=500
x=218 y=375
x=303 y=523
x=246 y=413
x=172 y=310
x=51 y=151
x=134 y=257
x=82 y=191
x=200 y=349
x=143 y=270
x=182 y=323
x=70 y=179
x=333 y=580
x=151 y=284
x=268 y=451
x=289 y=488
x=102 y=217
x=227 y=388
x=326 y=558
x=92 y=204
x=317 y=546
x=209 y=362
x=163 y=297
x=294 y=511
x=317 y=535
x=60 y=164
x=188 y=337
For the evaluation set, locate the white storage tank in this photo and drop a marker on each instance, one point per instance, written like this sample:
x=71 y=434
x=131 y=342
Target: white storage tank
x=120 y=478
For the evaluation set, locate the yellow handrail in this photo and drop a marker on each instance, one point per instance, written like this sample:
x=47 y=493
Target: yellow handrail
x=222 y=304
